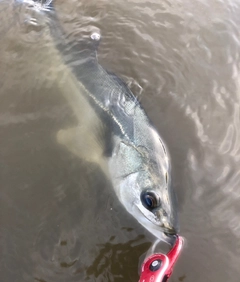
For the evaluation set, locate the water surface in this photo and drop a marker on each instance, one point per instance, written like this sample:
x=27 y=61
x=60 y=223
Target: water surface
x=59 y=218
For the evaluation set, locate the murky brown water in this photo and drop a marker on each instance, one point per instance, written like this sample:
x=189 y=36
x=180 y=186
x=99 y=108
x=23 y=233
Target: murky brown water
x=59 y=218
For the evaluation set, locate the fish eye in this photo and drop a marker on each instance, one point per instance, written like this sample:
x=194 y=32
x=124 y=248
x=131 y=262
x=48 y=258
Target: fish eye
x=150 y=200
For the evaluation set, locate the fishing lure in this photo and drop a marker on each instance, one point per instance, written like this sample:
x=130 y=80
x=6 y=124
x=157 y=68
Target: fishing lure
x=159 y=267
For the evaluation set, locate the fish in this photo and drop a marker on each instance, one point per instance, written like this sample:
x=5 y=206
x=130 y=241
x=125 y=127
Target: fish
x=113 y=130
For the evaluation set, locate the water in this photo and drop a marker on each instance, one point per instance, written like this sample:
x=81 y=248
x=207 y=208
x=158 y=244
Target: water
x=59 y=218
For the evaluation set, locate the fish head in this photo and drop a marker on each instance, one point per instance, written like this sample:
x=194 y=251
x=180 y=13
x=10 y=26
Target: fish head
x=150 y=204
x=144 y=188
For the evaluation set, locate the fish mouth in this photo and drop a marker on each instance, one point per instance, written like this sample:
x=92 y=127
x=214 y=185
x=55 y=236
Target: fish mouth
x=154 y=225
x=169 y=231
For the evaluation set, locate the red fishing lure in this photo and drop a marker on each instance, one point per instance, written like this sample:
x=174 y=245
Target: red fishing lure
x=159 y=267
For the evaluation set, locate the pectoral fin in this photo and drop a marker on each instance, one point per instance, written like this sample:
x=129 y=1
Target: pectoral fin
x=85 y=144
x=81 y=143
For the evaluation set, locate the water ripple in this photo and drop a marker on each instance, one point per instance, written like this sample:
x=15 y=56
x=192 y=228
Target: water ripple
x=58 y=220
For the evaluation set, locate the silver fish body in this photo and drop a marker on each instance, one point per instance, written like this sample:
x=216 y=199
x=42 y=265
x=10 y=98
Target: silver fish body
x=127 y=146
x=138 y=162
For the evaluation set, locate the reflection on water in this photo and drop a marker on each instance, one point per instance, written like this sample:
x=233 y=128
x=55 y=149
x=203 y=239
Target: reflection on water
x=59 y=218
x=116 y=262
